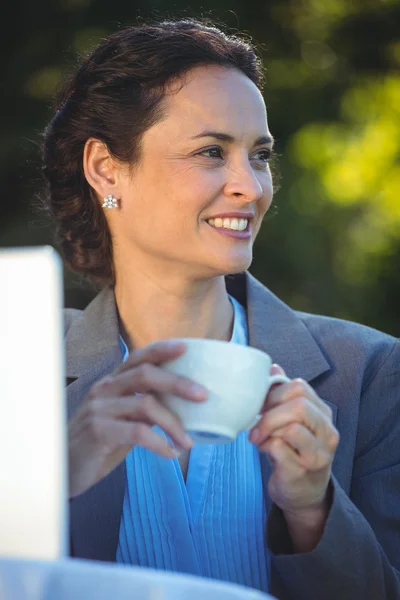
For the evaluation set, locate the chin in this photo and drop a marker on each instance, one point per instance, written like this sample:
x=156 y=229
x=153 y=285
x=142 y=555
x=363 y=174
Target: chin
x=233 y=266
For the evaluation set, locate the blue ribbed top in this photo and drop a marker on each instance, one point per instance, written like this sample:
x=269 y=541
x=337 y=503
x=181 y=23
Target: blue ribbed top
x=211 y=526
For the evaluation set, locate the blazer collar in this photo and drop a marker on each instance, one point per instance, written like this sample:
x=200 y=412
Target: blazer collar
x=93 y=336
x=278 y=330
x=92 y=342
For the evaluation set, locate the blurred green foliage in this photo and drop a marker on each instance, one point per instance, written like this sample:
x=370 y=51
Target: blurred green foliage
x=331 y=242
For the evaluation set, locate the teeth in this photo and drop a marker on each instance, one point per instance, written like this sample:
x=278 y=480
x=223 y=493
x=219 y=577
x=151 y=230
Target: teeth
x=235 y=224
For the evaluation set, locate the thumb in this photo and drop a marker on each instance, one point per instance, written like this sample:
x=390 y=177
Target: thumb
x=276 y=370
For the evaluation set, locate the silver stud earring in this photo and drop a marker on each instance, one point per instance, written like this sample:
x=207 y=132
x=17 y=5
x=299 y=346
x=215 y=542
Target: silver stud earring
x=110 y=202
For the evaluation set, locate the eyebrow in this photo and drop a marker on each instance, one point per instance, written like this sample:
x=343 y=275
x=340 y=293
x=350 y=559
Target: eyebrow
x=225 y=137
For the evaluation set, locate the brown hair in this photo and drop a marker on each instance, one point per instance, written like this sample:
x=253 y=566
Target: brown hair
x=115 y=96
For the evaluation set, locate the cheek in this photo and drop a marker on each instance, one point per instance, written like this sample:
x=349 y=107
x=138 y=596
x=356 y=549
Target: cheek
x=268 y=194
x=194 y=193
x=188 y=185
x=201 y=179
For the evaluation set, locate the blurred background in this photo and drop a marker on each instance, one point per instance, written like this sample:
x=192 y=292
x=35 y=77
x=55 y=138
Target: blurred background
x=331 y=242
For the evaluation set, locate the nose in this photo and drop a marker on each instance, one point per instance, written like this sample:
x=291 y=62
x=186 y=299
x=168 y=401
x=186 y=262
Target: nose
x=242 y=182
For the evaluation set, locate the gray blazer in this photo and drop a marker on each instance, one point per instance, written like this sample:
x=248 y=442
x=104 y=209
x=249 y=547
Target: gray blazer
x=356 y=370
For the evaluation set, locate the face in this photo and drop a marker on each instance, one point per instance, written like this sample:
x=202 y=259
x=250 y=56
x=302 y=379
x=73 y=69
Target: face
x=195 y=201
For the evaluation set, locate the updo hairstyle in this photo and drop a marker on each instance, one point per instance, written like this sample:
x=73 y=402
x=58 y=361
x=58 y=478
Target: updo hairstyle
x=115 y=96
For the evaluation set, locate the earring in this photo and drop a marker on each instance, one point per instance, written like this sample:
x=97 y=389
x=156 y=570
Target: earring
x=110 y=202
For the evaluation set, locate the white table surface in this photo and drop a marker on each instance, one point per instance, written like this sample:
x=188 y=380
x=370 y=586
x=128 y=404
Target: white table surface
x=76 y=579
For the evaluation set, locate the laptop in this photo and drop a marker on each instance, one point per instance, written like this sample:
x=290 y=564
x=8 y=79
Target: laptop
x=33 y=445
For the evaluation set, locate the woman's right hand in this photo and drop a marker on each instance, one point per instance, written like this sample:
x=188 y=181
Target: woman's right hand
x=119 y=413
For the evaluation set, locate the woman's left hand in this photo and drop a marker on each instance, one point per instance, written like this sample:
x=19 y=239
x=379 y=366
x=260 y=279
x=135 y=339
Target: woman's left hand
x=297 y=433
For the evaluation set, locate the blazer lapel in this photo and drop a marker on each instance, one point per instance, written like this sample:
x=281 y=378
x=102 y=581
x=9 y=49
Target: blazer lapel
x=92 y=351
x=277 y=330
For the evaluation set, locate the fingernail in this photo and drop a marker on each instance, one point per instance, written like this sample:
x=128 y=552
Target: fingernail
x=199 y=391
x=276 y=369
x=173 y=453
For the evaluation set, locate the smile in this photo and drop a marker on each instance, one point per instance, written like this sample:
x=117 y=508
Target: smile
x=232 y=224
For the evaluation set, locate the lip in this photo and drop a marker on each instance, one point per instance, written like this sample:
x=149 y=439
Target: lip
x=233 y=215
x=232 y=233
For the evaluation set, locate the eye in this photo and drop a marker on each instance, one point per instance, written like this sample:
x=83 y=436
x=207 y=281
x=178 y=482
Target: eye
x=213 y=152
x=263 y=155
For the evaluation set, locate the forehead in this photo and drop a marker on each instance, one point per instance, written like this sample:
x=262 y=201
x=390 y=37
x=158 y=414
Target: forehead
x=216 y=98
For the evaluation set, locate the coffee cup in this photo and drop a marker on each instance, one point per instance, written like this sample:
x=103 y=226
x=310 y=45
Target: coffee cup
x=238 y=380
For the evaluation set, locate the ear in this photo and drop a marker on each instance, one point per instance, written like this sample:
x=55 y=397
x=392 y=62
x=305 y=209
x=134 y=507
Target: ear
x=101 y=170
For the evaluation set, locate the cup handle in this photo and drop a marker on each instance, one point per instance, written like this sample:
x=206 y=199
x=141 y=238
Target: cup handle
x=274 y=379
x=278 y=378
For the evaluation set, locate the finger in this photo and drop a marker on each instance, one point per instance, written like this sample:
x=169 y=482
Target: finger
x=114 y=434
x=276 y=370
x=295 y=388
x=155 y=353
x=310 y=452
x=148 y=378
x=145 y=409
x=283 y=458
x=297 y=410
x=304 y=441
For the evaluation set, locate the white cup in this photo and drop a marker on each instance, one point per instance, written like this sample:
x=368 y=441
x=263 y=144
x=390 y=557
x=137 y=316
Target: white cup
x=238 y=380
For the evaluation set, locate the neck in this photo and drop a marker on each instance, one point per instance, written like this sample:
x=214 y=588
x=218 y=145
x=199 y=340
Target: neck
x=153 y=308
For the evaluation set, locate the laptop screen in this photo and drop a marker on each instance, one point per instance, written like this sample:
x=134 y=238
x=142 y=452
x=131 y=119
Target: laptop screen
x=33 y=457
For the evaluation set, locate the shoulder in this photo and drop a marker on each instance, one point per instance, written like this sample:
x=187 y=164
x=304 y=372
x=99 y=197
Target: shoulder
x=355 y=343
x=345 y=345
x=355 y=351
x=332 y=328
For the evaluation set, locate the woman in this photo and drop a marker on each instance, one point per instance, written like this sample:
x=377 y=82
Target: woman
x=158 y=181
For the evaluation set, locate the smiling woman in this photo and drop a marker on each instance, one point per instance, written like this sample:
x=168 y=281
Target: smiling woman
x=157 y=177
x=199 y=161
